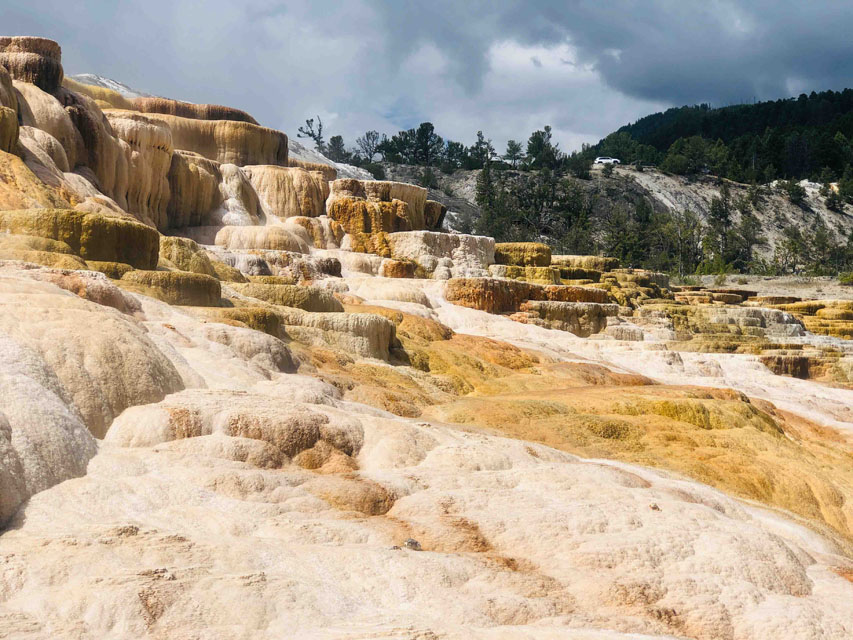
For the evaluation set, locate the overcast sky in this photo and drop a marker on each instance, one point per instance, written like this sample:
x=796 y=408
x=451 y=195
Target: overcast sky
x=507 y=68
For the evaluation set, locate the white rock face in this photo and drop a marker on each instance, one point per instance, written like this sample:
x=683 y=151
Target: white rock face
x=444 y=255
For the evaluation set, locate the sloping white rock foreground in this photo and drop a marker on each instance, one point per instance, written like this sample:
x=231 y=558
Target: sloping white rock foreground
x=274 y=509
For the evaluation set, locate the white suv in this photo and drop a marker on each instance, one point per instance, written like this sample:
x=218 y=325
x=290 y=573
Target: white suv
x=606 y=160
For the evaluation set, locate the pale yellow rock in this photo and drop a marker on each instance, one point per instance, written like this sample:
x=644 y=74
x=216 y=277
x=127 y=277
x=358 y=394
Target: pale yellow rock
x=194 y=189
x=98 y=373
x=106 y=98
x=186 y=255
x=227 y=141
x=285 y=192
x=150 y=158
x=90 y=235
x=42 y=110
x=189 y=110
x=274 y=237
x=34 y=60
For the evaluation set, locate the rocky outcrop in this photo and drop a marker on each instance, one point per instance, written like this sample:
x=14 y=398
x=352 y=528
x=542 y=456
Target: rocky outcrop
x=443 y=255
x=362 y=209
x=329 y=172
x=8 y=113
x=227 y=141
x=271 y=237
x=580 y=318
x=41 y=110
x=189 y=110
x=523 y=254
x=89 y=235
x=97 y=374
x=506 y=296
x=175 y=287
x=34 y=60
x=194 y=189
x=288 y=295
x=285 y=192
x=595 y=263
x=148 y=164
x=105 y=98
x=434 y=213
x=185 y=255
x=538 y=275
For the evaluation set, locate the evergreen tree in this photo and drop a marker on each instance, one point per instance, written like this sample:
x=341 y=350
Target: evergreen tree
x=336 y=150
x=514 y=152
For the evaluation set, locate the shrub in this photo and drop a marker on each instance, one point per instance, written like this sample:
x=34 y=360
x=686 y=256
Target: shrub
x=428 y=179
x=846 y=279
x=376 y=170
x=796 y=194
x=719 y=279
x=607 y=171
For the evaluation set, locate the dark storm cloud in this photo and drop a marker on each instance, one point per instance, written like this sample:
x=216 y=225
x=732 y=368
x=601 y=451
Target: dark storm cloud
x=503 y=67
x=671 y=51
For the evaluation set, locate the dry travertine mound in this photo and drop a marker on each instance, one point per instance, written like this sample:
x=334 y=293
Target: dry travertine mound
x=443 y=255
x=33 y=60
x=523 y=254
x=470 y=501
x=507 y=296
x=306 y=298
x=89 y=235
x=189 y=110
x=175 y=287
x=273 y=237
x=596 y=263
x=105 y=98
x=285 y=192
x=536 y=275
x=227 y=141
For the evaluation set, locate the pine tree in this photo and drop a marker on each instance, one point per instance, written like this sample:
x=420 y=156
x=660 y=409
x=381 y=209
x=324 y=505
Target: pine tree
x=514 y=152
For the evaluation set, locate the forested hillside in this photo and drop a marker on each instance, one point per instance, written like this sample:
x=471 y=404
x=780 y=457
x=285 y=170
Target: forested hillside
x=804 y=137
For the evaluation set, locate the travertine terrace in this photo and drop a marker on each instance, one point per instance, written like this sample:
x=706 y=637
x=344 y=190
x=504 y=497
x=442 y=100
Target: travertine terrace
x=242 y=398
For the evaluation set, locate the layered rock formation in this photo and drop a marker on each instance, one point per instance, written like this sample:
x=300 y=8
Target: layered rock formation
x=308 y=408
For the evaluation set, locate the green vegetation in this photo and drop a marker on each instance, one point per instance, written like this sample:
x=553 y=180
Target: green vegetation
x=794 y=138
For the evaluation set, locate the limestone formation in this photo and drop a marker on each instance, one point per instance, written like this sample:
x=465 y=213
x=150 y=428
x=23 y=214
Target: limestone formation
x=89 y=235
x=194 y=190
x=189 y=110
x=34 y=60
x=20 y=188
x=149 y=161
x=329 y=172
x=539 y=275
x=175 y=287
x=285 y=192
x=444 y=255
x=41 y=110
x=185 y=255
x=103 y=97
x=272 y=237
x=96 y=373
x=291 y=442
x=506 y=296
x=580 y=318
x=434 y=213
x=227 y=141
x=596 y=263
x=523 y=254
x=288 y=295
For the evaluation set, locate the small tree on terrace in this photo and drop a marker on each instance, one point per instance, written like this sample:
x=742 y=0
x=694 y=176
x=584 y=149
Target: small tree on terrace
x=308 y=131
